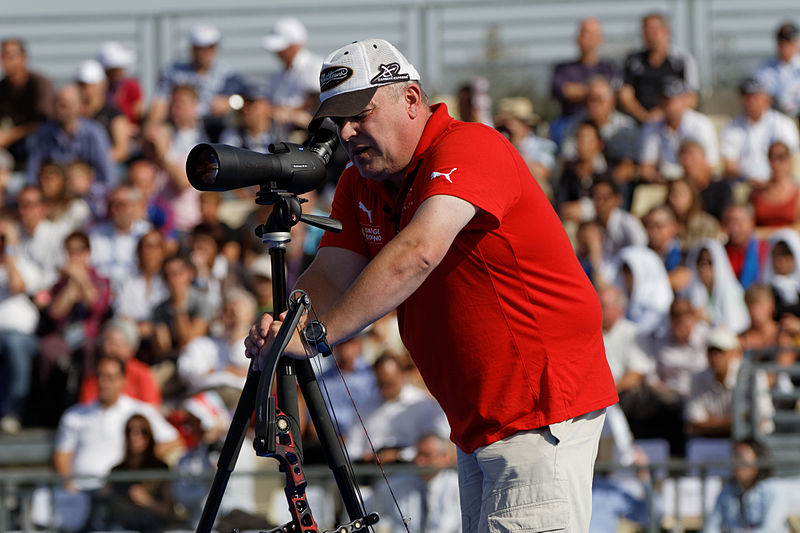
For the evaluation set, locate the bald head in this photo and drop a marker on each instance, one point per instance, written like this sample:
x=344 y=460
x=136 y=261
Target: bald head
x=590 y=36
x=68 y=105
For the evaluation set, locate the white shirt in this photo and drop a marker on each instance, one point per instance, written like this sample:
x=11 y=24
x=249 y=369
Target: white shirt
x=660 y=143
x=114 y=252
x=676 y=363
x=400 y=423
x=289 y=87
x=136 y=302
x=95 y=435
x=747 y=142
x=783 y=82
x=45 y=249
x=623 y=351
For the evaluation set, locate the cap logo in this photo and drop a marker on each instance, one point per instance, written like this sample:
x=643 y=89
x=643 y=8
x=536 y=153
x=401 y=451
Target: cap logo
x=389 y=74
x=333 y=76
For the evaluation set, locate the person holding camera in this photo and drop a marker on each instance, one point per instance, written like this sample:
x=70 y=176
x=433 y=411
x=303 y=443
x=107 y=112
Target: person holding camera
x=443 y=219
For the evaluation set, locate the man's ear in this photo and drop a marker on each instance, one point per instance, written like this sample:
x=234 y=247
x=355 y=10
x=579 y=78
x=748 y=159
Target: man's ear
x=413 y=100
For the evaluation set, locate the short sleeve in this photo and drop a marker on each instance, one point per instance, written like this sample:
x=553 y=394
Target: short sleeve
x=67 y=433
x=343 y=209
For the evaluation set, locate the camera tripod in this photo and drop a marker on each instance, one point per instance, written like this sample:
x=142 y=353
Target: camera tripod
x=277 y=418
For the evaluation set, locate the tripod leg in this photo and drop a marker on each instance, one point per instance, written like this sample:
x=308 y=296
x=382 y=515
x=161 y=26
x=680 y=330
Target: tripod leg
x=230 y=451
x=331 y=446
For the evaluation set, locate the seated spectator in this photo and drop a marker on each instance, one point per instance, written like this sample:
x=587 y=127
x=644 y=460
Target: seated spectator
x=62 y=208
x=213 y=83
x=715 y=194
x=231 y=250
x=714 y=290
x=146 y=505
x=777 y=203
x=405 y=414
x=120 y=339
x=143 y=176
x=6 y=169
x=26 y=100
x=259 y=282
x=82 y=185
x=709 y=407
x=643 y=277
x=167 y=146
x=253 y=129
x=662 y=237
x=644 y=71
x=122 y=91
x=781 y=74
x=694 y=224
x=782 y=271
x=474 y=104
x=40 y=240
x=578 y=175
x=764 y=329
x=619 y=131
x=747 y=253
x=744 y=142
x=183 y=316
x=18 y=345
x=752 y=500
x=589 y=242
x=213 y=273
x=90 y=439
x=293 y=90
x=629 y=363
x=114 y=242
x=620 y=228
x=570 y=81
x=80 y=303
x=69 y=137
x=91 y=79
x=515 y=119
x=661 y=139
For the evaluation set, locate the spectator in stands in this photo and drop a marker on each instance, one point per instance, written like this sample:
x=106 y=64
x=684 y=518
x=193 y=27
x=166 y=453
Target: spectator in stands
x=121 y=340
x=40 y=240
x=644 y=71
x=431 y=499
x=515 y=119
x=253 y=129
x=405 y=414
x=714 y=291
x=578 y=175
x=619 y=132
x=662 y=237
x=63 y=209
x=90 y=439
x=474 y=104
x=26 y=100
x=70 y=137
x=752 y=500
x=259 y=282
x=6 y=169
x=114 y=242
x=782 y=271
x=229 y=247
x=629 y=363
x=143 y=176
x=570 y=82
x=123 y=91
x=184 y=315
x=764 y=329
x=145 y=505
x=747 y=253
x=661 y=139
x=643 y=277
x=363 y=389
x=213 y=82
x=781 y=74
x=715 y=194
x=694 y=224
x=168 y=146
x=620 y=228
x=81 y=184
x=744 y=142
x=294 y=91
x=18 y=345
x=709 y=408
x=777 y=203
x=91 y=79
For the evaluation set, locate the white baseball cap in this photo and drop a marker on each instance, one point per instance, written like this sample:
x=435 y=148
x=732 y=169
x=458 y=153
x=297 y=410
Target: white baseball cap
x=284 y=33
x=90 y=71
x=351 y=75
x=204 y=35
x=723 y=339
x=113 y=54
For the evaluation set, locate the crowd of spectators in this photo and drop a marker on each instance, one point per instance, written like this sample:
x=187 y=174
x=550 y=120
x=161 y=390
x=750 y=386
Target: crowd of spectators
x=126 y=293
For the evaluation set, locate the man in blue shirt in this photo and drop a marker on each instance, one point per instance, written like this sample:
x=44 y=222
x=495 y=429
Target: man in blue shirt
x=781 y=74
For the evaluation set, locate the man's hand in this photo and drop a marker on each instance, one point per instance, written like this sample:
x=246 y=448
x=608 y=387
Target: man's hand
x=262 y=336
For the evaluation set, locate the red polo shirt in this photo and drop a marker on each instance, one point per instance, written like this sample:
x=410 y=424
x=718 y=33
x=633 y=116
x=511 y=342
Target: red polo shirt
x=506 y=331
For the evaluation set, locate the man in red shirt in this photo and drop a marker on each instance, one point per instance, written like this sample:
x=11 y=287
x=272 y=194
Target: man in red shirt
x=443 y=220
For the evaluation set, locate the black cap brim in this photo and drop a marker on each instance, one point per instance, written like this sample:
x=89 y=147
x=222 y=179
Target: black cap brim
x=346 y=104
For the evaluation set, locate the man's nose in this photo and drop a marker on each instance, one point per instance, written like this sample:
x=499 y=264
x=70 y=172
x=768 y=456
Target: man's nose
x=347 y=129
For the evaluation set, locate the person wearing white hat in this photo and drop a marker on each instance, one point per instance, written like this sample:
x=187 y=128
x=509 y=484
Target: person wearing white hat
x=92 y=82
x=293 y=91
x=443 y=220
x=213 y=81
x=123 y=91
